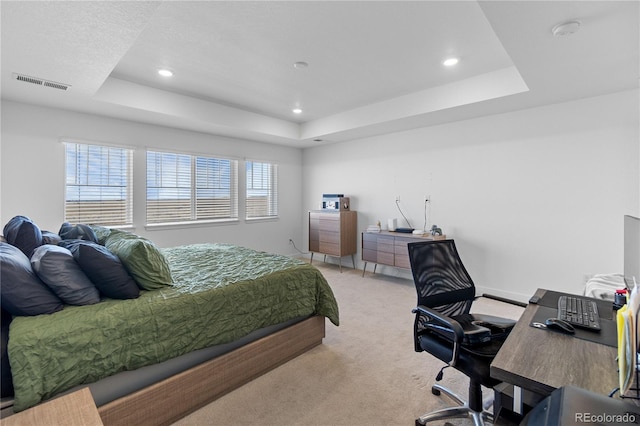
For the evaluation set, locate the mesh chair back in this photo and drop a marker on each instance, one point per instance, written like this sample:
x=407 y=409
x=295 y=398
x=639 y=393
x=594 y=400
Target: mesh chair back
x=441 y=280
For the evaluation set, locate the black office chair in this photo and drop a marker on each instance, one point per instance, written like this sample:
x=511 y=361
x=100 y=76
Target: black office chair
x=444 y=327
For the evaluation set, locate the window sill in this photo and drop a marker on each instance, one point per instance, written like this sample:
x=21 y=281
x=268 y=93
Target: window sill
x=262 y=219
x=193 y=224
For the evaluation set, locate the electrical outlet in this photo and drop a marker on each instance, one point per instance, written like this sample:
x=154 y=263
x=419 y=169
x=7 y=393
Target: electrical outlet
x=397 y=198
x=290 y=241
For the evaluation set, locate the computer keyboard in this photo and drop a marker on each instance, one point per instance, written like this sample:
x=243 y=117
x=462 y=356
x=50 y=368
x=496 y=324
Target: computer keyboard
x=579 y=312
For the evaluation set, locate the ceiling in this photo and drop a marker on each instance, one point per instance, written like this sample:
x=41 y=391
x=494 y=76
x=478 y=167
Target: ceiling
x=373 y=67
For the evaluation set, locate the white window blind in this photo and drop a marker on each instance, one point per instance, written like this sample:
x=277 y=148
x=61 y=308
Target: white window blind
x=262 y=190
x=98 y=186
x=187 y=188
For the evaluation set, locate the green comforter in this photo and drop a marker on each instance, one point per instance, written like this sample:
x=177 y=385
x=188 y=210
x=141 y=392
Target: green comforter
x=221 y=293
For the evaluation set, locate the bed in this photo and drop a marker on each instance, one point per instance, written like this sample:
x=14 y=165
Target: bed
x=229 y=315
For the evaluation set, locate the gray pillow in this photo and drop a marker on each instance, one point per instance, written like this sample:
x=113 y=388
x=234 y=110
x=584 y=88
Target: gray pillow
x=22 y=292
x=56 y=267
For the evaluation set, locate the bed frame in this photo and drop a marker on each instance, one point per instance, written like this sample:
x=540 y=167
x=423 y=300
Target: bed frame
x=171 y=399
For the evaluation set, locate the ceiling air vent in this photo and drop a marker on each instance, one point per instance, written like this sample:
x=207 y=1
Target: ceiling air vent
x=40 y=81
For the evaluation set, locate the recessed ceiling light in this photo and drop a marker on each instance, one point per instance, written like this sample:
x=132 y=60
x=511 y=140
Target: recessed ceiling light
x=449 y=62
x=297 y=111
x=165 y=72
x=300 y=64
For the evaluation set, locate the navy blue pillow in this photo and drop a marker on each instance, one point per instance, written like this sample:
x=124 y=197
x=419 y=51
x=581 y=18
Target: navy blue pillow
x=21 y=232
x=77 y=232
x=103 y=268
x=57 y=268
x=49 y=237
x=22 y=292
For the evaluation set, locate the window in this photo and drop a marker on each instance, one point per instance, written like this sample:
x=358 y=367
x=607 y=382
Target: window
x=187 y=188
x=98 y=186
x=262 y=190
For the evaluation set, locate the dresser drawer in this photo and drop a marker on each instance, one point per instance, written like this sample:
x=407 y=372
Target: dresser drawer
x=402 y=261
x=369 y=255
x=385 y=244
x=402 y=251
x=330 y=237
x=329 y=248
x=385 y=258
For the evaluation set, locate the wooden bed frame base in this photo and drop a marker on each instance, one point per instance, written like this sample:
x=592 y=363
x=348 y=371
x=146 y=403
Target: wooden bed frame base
x=175 y=397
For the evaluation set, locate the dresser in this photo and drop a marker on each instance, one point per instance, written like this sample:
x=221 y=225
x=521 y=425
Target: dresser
x=390 y=248
x=333 y=233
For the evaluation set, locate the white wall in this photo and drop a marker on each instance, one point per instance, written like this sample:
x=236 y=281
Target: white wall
x=533 y=198
x=32 y=174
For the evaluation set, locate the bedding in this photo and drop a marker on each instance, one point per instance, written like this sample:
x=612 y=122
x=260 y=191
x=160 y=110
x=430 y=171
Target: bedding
x=219 y=294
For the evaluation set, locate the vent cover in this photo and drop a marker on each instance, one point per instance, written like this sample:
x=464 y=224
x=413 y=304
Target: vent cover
x=40 y=81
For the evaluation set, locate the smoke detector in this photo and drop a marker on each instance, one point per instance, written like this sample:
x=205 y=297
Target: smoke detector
x=566 y=28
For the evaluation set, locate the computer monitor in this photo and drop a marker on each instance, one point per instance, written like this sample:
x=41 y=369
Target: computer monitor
x=631 y=250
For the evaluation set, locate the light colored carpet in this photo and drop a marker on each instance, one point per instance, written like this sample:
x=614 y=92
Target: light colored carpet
x=365 y=373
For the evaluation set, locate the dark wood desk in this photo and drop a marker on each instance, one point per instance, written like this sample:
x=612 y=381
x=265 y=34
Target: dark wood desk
x=539 y=361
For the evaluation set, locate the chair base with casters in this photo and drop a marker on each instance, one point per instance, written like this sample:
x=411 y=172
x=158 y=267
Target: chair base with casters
x=463 y=409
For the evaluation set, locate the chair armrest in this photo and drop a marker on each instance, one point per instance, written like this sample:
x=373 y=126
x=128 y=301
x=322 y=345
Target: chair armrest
x=499 y=322
x=445 y=321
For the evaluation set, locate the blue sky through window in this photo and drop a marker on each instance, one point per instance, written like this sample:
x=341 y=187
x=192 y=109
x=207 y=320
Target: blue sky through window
x=258 y=179
x=169 y=176
x=96 y=173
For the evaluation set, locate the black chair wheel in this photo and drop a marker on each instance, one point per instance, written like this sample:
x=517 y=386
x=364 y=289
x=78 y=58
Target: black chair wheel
x=435 y=391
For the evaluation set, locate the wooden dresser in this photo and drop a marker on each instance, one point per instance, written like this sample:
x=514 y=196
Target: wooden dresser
x=390 y=248
x=333 y=233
